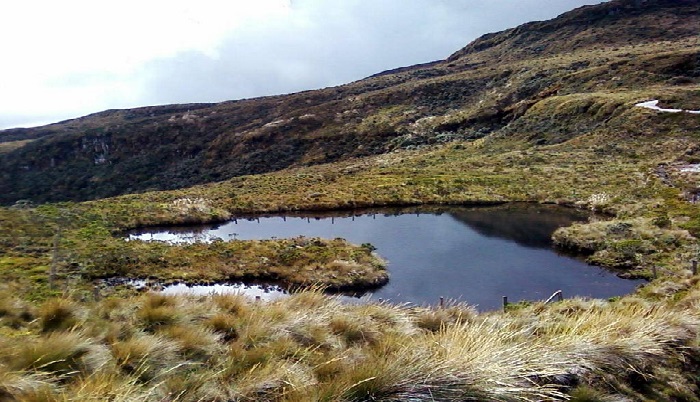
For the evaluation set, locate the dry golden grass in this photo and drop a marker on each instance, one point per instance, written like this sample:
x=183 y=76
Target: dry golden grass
x=57 y=314
x=311 y=347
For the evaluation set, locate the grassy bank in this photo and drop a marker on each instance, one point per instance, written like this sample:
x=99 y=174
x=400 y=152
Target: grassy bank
x=53 y=248
x=297 y=262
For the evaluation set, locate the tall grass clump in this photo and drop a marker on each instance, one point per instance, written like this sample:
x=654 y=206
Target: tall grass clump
x=15 y=313
x=195 y=342
x=20 y=386
x=434 y=319
x=632 y=344
x=488 y=357
x=234 y=304
x=58 y=315
x=106 y=385
x=145 y=356
x=62 y=354
x=395 y=370
x=225 y=325
x=157 y=311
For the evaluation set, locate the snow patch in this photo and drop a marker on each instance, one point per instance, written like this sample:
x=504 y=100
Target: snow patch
x=654 y=105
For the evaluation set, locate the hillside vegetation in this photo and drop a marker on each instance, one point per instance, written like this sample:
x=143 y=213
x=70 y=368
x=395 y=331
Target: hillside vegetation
x=616 y=47
x=543 y=113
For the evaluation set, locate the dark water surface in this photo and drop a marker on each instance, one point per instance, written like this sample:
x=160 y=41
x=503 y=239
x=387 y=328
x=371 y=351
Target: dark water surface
x=471 y=254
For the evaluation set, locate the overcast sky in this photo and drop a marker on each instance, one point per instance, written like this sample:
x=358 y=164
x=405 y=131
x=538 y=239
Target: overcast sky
x=64 y=59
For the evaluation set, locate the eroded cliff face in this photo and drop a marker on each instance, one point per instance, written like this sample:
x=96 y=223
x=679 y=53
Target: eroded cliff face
x=508 y=83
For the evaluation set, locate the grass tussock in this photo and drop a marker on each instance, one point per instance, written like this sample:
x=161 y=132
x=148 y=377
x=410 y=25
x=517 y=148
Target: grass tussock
x=17 y=385
x=144 y=356
x=195 y=342
x=15 y=313
x=225 y=325
x=313 y=347
x=433 y=320
x=61 y=354
x=57 y=315
x=157 y=311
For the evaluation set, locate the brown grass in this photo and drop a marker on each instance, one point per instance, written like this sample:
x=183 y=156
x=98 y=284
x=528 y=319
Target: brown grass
x=312 y=347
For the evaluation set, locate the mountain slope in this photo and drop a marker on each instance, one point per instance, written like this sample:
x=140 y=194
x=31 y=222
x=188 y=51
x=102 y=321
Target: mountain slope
x=487 y=88
x=616 y=23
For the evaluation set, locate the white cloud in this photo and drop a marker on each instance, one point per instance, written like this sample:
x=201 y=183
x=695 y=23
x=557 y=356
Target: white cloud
x=81 y=35
x=68 y=58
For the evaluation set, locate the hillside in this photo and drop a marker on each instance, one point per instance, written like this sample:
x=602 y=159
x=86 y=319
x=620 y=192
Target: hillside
x=557 y=112
x=623 y=45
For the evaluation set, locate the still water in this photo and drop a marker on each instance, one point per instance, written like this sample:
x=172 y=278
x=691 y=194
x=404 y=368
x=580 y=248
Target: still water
x=471 y=254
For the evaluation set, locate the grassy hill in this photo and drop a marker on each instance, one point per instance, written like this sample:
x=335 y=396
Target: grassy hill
x=542 y=113
x=484 y=89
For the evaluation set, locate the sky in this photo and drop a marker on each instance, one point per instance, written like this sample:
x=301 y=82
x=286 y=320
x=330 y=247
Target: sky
x=65 y=59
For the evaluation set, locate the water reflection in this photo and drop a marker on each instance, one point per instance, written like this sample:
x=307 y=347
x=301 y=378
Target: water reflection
x=259 y=292
x=475 y=255
x=529 y=225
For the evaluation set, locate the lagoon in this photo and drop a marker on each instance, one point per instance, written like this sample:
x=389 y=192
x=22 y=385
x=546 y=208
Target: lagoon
x=475 y=255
